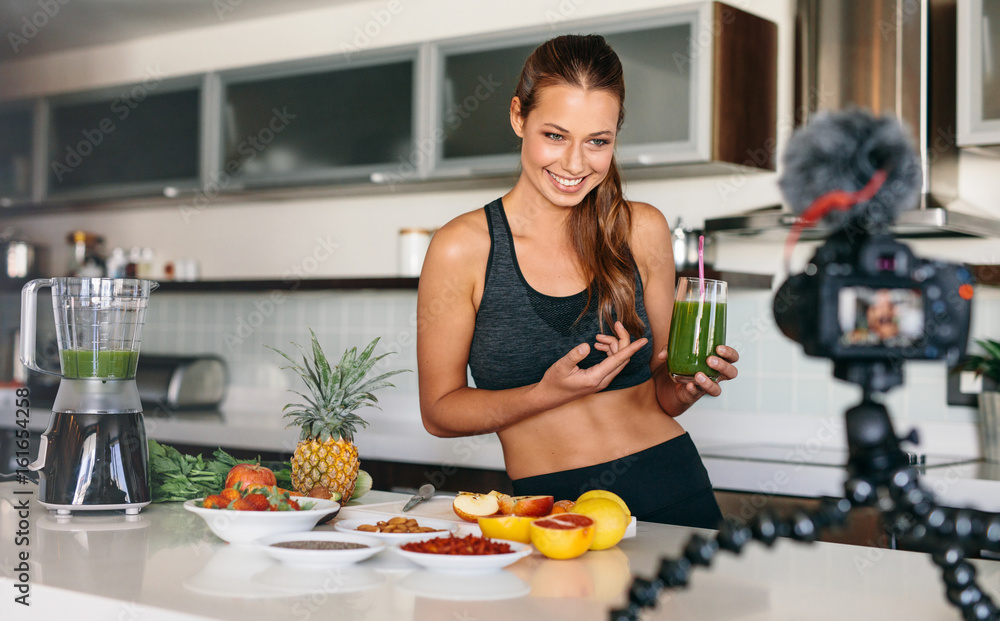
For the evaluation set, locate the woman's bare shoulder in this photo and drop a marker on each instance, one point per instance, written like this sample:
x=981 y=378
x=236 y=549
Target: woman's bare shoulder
x=461 y=247
x=649 y=225
x=463 y=235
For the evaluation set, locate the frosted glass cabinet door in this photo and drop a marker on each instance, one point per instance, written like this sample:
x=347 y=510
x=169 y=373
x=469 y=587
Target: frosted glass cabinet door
x=659 y=90
x=15 y=155
x=478 y=84
x=134 y=142
x=311 y=127
x=475 y=103
x=978 y=72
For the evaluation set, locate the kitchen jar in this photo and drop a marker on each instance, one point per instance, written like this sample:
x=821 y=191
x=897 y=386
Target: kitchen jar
x=20 y=261
x=413 y=244
x=685 y=243
x=86 y=260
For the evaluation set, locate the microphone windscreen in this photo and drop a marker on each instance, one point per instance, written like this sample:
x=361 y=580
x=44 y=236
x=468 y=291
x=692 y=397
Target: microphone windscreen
x=841 y=151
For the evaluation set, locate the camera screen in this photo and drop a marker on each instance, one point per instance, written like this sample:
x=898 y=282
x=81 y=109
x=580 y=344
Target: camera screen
x=887 y=317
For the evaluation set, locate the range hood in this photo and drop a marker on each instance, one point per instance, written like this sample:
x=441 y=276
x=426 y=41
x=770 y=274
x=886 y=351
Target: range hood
x=891 y=57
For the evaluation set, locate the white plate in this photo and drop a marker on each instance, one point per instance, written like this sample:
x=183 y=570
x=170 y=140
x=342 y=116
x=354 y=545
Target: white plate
x=320 y=558
x=248 y=526
x=466 y=563
x=351 y=526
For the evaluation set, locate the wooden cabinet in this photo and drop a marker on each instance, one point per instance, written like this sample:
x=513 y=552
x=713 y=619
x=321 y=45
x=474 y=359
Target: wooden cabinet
x=978 y=72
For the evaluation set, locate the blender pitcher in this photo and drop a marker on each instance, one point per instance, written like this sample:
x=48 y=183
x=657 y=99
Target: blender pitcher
x=93 y=454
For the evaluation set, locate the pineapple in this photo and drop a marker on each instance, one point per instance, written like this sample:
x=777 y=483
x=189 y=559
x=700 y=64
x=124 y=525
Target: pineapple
x=326 y=454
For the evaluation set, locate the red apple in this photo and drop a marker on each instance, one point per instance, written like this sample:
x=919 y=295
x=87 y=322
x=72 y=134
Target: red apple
x=470 y=507
x=526 y=506
x=250 y=475
x=533 y=506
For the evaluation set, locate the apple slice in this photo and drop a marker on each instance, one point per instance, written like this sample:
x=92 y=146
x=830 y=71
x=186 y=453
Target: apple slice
x=470 y=507
x=532 y=506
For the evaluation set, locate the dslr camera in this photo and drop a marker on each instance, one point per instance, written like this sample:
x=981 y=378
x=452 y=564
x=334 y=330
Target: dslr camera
x=865 y=300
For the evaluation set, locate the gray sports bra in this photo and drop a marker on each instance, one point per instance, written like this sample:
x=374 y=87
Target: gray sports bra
x=520 y=332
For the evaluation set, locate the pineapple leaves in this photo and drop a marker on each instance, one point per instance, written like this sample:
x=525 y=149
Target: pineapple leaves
x=334 y=392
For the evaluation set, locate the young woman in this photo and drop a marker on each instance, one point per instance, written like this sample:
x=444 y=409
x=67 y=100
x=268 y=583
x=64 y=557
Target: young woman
x=558 y=297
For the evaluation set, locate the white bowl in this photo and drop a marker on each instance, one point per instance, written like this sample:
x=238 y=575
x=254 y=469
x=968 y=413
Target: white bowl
x=320 y=558
x=462 y=563
x=248 y=526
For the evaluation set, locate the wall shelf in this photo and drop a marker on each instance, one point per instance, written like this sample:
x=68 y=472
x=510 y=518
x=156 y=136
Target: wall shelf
x=290 y=285
x=739 y=280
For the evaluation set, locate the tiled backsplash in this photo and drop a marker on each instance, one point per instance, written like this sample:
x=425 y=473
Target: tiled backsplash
x=775 y=377
x=239 y=326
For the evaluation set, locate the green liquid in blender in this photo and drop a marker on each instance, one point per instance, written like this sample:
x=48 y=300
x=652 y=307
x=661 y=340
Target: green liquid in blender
x=693 y=338
x=109 y=364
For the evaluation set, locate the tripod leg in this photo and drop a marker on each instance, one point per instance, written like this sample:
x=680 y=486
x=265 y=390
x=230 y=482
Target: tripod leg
x=732 y=536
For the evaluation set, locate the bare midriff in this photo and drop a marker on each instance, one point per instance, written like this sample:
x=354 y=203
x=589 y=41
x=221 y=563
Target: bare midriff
x=592 y=430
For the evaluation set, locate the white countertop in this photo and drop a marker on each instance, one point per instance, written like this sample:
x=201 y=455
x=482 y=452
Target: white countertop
x=164 y=565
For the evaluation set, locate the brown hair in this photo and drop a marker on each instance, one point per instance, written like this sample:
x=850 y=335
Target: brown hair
x=600 y=224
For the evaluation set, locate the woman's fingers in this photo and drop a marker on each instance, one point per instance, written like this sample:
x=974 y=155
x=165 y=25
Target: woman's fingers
x=612 y=344
x=607 y=344
x=723 y=362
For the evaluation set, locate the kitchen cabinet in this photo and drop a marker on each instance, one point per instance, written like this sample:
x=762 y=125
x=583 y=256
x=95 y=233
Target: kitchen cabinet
x=702 y=99
x=332 y=120
x=701 y=88
x=140 y=139
x=16 y=127
x=978 y=72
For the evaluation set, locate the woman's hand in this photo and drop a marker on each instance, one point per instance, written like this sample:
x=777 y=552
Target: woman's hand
x=565 y=381
x=723 y=362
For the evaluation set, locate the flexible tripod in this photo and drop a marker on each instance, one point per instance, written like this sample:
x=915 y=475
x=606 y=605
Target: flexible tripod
x=879 y=475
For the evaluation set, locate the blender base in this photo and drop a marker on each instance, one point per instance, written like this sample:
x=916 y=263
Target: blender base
x=93 y=462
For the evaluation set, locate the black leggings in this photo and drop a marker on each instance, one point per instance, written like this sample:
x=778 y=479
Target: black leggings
x=666 y=483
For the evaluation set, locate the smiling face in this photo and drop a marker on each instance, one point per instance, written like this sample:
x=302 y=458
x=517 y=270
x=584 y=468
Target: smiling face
x=567 y=142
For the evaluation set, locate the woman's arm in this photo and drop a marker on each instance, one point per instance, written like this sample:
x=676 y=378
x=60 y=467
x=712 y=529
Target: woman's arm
x=653 y=251
x=450 y=284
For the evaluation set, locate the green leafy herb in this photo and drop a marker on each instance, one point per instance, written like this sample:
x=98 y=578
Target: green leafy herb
x=176 y=477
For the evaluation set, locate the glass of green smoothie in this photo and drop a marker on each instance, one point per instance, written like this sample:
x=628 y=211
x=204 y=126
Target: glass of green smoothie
x=697 y=327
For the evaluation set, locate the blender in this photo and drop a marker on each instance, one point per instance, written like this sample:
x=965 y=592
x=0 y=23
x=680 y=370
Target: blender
x=93 y=454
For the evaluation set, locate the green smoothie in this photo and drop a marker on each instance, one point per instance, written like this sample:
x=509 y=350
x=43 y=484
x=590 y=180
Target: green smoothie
x=696 y=329
x=111 y=364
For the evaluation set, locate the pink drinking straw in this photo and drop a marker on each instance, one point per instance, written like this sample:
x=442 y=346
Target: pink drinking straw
x=701 y=264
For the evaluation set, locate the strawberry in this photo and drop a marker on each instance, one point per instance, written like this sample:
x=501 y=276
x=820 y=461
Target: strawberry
x=252 y=502
x=215 y=501
x=230 y=494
